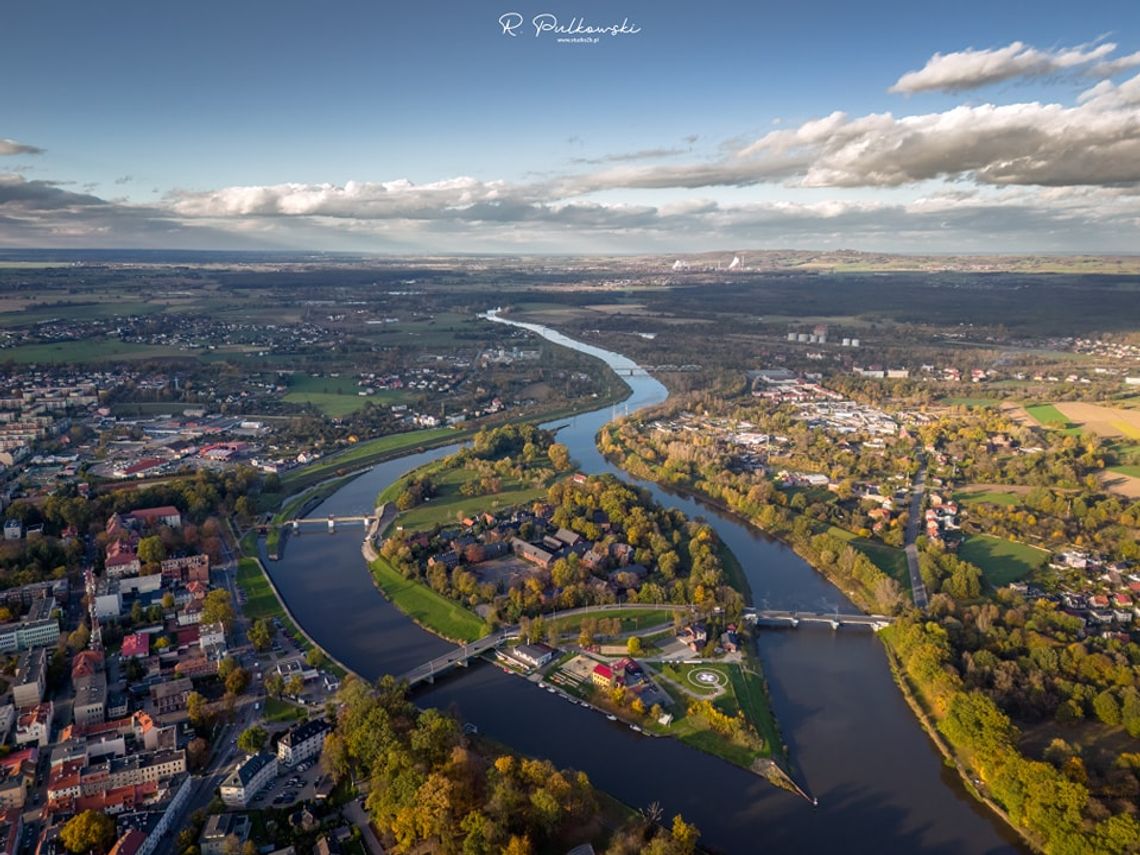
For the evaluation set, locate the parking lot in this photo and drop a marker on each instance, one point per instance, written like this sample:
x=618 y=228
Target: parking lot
x=284 y=793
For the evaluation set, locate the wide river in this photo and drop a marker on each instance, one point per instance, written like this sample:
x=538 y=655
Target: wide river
x=881 y=785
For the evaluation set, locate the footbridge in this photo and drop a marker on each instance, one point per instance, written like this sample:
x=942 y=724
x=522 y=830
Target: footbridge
x=332 y=521
x=792 y=619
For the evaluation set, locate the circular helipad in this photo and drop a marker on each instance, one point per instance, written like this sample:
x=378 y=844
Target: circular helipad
x=707 y=678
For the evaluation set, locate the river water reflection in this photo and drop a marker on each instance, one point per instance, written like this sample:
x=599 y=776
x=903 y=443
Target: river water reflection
x=855 y=745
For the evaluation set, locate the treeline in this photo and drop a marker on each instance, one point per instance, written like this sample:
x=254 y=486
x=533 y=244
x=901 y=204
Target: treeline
x=1052 y=805
x=198 y=496
x=431 y=788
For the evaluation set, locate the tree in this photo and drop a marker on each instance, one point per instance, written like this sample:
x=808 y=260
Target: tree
x=236 y=682
x=252 y=739
x=196 y=709
x=261 y=635
x=633 y=646
x=274 y=685
x=79 y=638
x=152 y=550
x=315 y=657
x=217 y=607
x=88 y=832
x=197 y=752
x=295 y=686
x=1106 y=707
x=559 y=456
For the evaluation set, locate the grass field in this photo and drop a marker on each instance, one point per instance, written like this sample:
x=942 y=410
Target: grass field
x=734 y=571
x=744 y=692
x=87 y=350
x=260 y=601
x=1132 y=470
x=337 y=396
x=1049 y=416
x=449 y=504
x=991 y=497
x=431 y=610
x=631 y=619
x=1002 y=561
x=889 y=559
x=278 y=711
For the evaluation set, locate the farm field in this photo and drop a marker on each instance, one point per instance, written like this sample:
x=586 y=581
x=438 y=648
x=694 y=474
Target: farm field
x=338 y=396
x=1001 y=561
x=1049 y=416
x=88 y=350
x=1113 y=422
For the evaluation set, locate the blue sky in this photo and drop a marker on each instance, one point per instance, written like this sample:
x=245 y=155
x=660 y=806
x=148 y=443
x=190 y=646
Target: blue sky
x=287 y=124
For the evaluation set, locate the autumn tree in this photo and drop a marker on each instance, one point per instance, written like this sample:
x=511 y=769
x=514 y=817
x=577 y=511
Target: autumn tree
x=88 y=831
x=252 y=739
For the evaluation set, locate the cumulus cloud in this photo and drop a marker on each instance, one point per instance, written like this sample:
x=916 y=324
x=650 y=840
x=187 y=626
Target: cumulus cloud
x=970 y=68
x=11 y=147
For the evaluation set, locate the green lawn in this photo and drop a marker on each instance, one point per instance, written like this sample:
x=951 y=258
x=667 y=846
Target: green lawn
x=745 y=692
x=889 y=559
x=631 y=619
x=337 y=396
x=1002 y=561
x=992 y=497
x=1049 y=416
x=260 y=601
x=449 y=504
x=431 y=610
x=734 y=571
x=1131 y=469
x=88 y=350
x=278 y=711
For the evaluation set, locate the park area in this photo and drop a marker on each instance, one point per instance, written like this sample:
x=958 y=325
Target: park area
x=1001 y=561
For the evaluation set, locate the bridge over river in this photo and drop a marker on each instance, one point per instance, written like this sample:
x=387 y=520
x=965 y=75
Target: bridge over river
x=331 y=521
x=464 y=653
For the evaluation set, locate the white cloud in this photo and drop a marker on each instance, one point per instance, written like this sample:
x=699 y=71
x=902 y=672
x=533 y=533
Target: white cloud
x=11 y=147
x=970 y=68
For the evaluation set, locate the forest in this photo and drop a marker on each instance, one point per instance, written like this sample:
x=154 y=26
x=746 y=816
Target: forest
x=431 y=787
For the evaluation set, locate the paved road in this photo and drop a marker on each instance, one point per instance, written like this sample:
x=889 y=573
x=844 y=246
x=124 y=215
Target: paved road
x=918 y=487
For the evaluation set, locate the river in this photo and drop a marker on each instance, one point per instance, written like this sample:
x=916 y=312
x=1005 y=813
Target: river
x=854 y=743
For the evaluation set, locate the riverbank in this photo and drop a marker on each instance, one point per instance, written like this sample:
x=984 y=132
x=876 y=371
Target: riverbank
x=262 y=601
x=899 y=673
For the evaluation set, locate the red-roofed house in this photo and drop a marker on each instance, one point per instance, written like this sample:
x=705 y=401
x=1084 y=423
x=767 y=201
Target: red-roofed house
x=122 y=559
x=165 y=515
x=86 y=663
x=130 y=843
x=603 y=675
x=137 y=644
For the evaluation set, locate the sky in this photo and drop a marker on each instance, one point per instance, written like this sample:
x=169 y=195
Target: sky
x=495 y=126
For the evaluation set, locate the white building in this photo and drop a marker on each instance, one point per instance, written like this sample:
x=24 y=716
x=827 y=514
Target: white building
x=250 y=777
x=302 y=741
